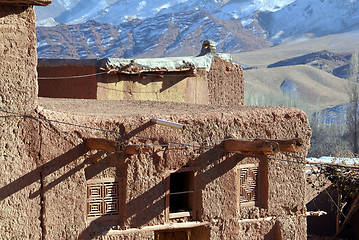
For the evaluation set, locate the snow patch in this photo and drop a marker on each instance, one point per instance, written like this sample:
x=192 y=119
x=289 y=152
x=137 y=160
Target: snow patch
x=163 y=7
x=335 y=160
x=49 y=22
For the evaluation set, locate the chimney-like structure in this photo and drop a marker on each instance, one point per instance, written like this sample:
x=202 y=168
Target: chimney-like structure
x=208 y=46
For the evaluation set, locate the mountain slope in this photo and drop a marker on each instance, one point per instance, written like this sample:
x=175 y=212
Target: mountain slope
x=166 y=28
x=336 y=43
x=119 y=11
x=314 y=88
x=164 y=35
x=319 y=17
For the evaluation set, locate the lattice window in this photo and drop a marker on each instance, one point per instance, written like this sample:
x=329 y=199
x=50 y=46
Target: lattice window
x=248 y=185
x=102 y=199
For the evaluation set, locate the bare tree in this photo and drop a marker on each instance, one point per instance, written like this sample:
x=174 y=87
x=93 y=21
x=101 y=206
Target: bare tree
x=352 y=110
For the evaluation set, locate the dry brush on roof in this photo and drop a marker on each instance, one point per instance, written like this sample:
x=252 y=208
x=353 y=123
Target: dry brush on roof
x=345 y=177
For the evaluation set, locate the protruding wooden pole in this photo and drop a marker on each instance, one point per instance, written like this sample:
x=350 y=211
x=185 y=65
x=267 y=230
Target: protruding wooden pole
x=104 y=144
x=290 y=145
x=259 y=146
x=113 y=146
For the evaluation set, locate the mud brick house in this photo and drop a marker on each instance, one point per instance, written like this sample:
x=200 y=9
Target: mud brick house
x=138 y=180
x=90 y=169
x=210 y=78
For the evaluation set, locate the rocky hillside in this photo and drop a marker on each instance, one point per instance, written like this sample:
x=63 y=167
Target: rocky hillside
x=335 y=63
x=164 y=35
x=138 y=28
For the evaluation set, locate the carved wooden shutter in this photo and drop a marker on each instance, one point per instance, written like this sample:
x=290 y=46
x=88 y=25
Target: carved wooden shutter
x=248 y=184
x=102 y=199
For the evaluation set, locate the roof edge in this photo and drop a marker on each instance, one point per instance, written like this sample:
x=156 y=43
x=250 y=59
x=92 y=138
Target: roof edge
x=160 y=64
x=26 y=2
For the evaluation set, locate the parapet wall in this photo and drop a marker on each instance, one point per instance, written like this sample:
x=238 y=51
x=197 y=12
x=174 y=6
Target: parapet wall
x=210 y=79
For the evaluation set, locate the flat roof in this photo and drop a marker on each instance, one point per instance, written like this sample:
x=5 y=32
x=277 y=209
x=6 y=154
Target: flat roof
x=136 y=65
x=93 y=107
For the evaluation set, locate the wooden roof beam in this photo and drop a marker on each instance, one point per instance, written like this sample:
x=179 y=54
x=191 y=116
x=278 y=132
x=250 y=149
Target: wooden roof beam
x=260 y=146
x=264 y=146
x=291 y=145
x=113 y=146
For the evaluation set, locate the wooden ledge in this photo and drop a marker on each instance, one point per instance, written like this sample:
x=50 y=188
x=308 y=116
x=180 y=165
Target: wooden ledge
x=291 y=145
x=113 y=146
x=260 y=146
x=263 y=146
x=169 y=226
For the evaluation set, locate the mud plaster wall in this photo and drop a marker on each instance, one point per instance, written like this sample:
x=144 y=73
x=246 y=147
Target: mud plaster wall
x=225 y=83
x=70 y=166
x=222 y=85
x=81 y=88
x=173 y=86
x=19 y=214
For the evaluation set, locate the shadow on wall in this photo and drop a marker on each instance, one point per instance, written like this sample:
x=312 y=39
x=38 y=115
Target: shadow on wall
x=144 y=79
x=324 y=225
x=147 y=206
x=11 y=9
x=141 y=209
x=39 y=173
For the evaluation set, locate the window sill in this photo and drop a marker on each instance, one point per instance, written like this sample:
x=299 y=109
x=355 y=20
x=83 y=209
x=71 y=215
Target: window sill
x=169 y=226
x=180 y=215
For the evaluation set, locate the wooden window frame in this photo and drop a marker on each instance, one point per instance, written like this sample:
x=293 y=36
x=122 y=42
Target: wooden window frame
x=256 y=201
x=194 y=213
x=104 y=198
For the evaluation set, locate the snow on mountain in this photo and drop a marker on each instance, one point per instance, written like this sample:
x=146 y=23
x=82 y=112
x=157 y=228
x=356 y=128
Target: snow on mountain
x=147 y=26
x=164 y=35
x=119 y=11
x=319 y=17
x=116 y=12
x=244 y=9
x=82 y=11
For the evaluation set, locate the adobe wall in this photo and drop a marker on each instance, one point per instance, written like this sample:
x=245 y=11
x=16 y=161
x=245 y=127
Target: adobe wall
x=19 y=138
x=225 y=83
x=68 y=167
x=18 y=57
x=80 y=88
x=222 y=85
x=175 y=86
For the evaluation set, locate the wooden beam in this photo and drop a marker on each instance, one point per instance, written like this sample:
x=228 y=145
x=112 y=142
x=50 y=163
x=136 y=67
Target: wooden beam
x=113 y=146
x=134 y=149
x=259 y=146
x=288 y=145
x=316 y=213
x=291 y=145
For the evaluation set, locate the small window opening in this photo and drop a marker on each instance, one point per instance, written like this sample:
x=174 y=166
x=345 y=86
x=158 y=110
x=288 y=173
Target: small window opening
x=249 y=185
x=253 y=185
x=102 y=199
x=181 y=192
